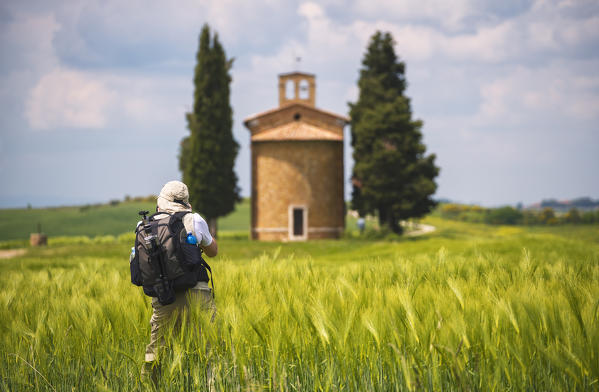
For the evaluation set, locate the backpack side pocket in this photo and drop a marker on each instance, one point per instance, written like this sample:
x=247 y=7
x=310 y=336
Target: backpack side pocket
x=134 y=267
x=192 y=255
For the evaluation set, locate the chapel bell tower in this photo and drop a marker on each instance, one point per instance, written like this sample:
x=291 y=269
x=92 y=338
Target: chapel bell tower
x=297 y=87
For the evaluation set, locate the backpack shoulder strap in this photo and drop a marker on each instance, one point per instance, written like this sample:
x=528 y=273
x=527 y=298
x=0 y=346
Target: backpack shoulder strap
x=176 y=226
x=177 y=216
x=180 y=214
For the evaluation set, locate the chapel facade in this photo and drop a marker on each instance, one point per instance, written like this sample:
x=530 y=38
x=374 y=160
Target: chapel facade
x=297 y=166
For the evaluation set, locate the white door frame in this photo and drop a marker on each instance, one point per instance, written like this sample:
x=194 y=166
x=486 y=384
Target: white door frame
x=304 y=235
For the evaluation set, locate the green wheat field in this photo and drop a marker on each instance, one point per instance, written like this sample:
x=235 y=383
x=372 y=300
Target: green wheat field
x=469 y=307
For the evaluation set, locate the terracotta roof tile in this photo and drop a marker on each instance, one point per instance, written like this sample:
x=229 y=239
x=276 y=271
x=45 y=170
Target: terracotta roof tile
x=296 y=131
x=286 y=106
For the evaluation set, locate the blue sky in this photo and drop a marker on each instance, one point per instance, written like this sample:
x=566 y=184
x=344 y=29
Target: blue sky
x=508 y=91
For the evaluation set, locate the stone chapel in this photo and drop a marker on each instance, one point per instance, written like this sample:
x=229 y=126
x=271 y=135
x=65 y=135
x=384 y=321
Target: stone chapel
x=297 y=166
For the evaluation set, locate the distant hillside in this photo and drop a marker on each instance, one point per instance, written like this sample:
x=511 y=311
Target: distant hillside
x=113 y=218
x=581 y=203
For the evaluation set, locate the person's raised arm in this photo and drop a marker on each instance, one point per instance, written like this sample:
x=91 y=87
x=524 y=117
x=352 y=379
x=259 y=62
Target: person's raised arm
x=210 y=250
x=205 y=240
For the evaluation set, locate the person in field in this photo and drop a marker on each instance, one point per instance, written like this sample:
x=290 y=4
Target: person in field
x=174 y=198
x=361 y=225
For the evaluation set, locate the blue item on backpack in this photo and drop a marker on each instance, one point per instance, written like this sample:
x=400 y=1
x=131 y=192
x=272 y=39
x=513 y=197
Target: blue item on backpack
x=191 y=239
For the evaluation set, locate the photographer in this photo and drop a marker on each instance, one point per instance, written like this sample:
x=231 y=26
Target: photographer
x=173 y=199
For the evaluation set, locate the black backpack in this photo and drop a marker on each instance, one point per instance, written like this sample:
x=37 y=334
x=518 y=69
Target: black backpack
x=164 y=262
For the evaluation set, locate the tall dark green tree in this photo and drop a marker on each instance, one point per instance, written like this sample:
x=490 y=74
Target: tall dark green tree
x=392 y=176
x=207 y=155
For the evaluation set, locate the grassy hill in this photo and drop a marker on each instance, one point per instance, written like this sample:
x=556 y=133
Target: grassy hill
x=95 y=220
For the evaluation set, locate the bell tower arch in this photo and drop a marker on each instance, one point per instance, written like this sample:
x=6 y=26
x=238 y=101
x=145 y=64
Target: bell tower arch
x=297 y=87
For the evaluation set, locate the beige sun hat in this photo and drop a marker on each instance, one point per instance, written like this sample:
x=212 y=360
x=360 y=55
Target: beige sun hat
x=174 y=196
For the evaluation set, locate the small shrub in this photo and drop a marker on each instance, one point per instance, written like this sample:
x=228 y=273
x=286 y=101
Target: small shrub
x=590 y=217
x=64 y=240
x=104 y=239
x=126 y=238
x=14 y=244
x=572 y=216
x=547 y=216
x=504 y=216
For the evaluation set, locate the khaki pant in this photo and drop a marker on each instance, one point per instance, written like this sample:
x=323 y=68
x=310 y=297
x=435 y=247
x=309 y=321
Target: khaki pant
x=200 y=295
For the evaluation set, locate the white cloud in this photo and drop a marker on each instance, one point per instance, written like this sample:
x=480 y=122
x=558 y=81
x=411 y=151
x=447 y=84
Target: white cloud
x=52 y=95
x=449 y=14
x=540 y=95
x=111 y=31
x=65 y=98
x=327 y=41
x=69 y=99
x=529 y=36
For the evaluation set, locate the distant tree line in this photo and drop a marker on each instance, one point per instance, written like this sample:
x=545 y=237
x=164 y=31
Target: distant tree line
x=116 y=202
x=148 y=198
x=581 y=203
x=512 y=216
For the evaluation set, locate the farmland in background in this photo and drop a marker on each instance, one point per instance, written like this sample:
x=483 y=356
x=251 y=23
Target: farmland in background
x=468 y=307
x=96 y=220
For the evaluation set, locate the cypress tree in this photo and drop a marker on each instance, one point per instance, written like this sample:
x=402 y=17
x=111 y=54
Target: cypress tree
x=207 y=155
x=392 y=176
